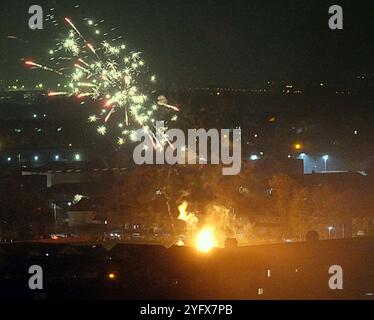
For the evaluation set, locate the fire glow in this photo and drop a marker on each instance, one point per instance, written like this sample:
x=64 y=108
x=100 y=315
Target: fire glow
x=205 y=239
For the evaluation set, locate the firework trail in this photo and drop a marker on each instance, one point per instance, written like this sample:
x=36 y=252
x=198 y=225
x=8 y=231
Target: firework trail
x=106 y=72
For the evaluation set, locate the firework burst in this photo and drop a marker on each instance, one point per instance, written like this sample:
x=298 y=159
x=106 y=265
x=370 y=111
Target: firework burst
x=109 y=73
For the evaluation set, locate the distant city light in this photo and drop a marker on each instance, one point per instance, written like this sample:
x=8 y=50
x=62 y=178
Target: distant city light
x=36 y=158
x=9 y=159
x=57 y=157
x=254 y=157
x=77 y=157
x=112 y=276
x=298 y=146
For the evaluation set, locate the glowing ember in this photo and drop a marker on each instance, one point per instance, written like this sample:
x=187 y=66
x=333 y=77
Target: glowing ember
x=205 y=240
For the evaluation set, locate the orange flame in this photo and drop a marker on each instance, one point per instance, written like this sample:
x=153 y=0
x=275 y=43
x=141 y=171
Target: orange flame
x=206 y=240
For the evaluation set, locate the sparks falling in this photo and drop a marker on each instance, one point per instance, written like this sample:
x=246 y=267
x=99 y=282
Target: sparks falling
x=105 y=71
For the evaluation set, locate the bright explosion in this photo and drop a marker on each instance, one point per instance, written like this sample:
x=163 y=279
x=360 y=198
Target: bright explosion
x=206 y=240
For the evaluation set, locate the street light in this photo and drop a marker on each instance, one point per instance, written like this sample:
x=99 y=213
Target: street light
x=330 y=229
x=325 y=158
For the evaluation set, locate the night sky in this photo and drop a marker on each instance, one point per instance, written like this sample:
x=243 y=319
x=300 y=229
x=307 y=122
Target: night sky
x=212 y=43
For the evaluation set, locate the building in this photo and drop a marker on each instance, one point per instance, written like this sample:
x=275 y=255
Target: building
x=86 y=217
